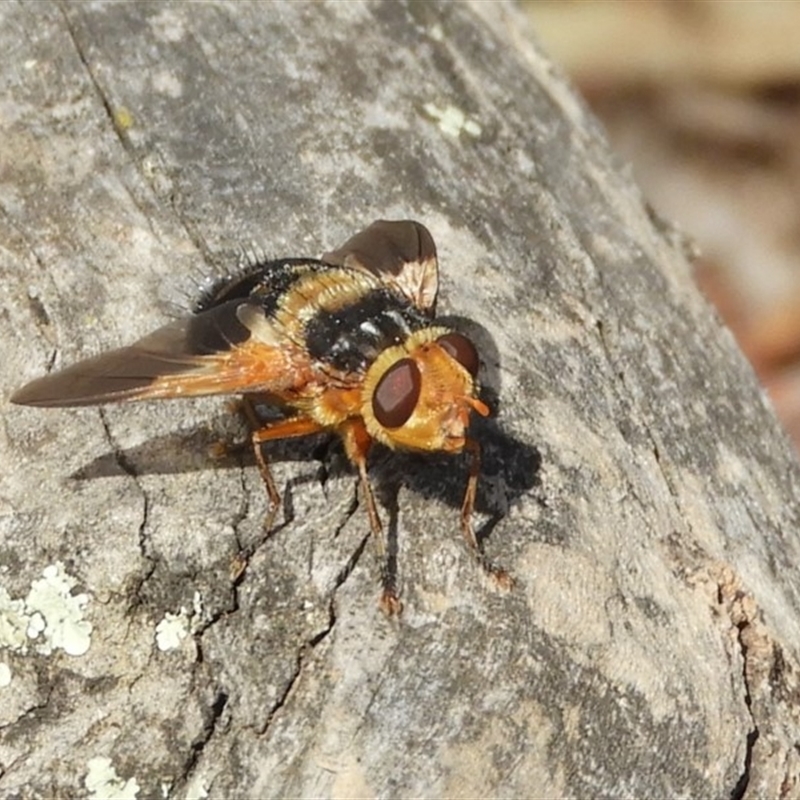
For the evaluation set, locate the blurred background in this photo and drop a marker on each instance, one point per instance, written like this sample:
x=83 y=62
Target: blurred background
x=702 y=97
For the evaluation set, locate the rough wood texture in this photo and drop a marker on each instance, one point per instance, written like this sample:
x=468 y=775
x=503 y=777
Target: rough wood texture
x=636 y=482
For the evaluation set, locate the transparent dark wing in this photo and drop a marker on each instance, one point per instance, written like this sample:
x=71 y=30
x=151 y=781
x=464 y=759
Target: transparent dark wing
x=401 y=253
x=231 y=348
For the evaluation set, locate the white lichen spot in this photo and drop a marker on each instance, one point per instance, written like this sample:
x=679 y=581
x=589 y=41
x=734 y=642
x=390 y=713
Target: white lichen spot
x=196 y=790
x=436 y=33
x=452 y=120
x=5 y=675
x=172 y=630
x=49 y=618
x=165 y=82
x=13 y=622
x=57 y=614
x=525 y=163
x=472 y=128
x=36 y=625
x=103 y=783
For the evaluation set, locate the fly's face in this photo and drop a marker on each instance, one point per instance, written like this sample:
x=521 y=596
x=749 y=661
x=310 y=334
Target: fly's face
x=419 y=396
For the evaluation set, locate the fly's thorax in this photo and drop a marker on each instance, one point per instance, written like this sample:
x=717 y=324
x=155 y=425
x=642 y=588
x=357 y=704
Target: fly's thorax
x=354 y=318
x=418 y=395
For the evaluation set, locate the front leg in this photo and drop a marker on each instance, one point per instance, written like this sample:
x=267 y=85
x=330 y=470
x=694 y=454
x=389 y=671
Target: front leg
x=357 y=443
x=498 y=574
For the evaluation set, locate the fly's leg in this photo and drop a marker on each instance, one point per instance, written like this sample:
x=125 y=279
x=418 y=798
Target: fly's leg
x=281 y=429
x=390 y=602
x=245 y=407
x=502 y=578
x=357 y=443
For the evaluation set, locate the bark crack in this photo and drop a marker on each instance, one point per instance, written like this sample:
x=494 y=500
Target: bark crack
x=81 y=53
x=128 y=468
x=620 y=376
x=30 y=712
x=113 y=116
x=210 y=723
x=738 y=791
x=307 y=647
x=120 y=131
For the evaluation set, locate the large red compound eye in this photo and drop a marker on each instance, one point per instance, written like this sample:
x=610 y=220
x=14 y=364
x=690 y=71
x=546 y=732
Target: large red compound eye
x=397 y=393
x=462 y=350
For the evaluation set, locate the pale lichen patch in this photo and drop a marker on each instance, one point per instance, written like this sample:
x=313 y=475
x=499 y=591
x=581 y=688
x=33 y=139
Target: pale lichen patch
x=57 y=614
x=13 y=622
x=452 y=120
x=103 y=783
x=172 y=630
x=196 y=790
x=49 y=618
x=167 y=83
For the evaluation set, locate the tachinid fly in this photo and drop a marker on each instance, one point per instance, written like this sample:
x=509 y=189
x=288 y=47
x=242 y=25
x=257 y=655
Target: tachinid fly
x=346 y=344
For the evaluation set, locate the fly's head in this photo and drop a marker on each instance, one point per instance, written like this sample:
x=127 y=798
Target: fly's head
x=419 y=395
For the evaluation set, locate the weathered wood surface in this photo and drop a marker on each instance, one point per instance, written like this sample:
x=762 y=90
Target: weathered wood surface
x=636 y=482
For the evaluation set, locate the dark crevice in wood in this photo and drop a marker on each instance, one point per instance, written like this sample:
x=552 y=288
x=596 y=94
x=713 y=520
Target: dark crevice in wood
x=321 y=635
x=740 y=788
x=210 y=724
x=128 y=468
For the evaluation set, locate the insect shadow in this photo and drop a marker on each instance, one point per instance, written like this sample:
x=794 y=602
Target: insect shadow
x=509 y=467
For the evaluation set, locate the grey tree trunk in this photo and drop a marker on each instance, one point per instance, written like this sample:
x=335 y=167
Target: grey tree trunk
x=635 y=481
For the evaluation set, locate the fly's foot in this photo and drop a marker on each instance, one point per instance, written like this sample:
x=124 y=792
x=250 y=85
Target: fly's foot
x=500 y=577
x=390 y=603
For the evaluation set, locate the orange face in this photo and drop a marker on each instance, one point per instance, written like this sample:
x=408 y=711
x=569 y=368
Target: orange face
x=419 y=395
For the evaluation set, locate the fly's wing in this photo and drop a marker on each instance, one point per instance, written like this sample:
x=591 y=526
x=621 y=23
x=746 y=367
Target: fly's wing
x=231 y=348
x=401 y=253
x=257 y=276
